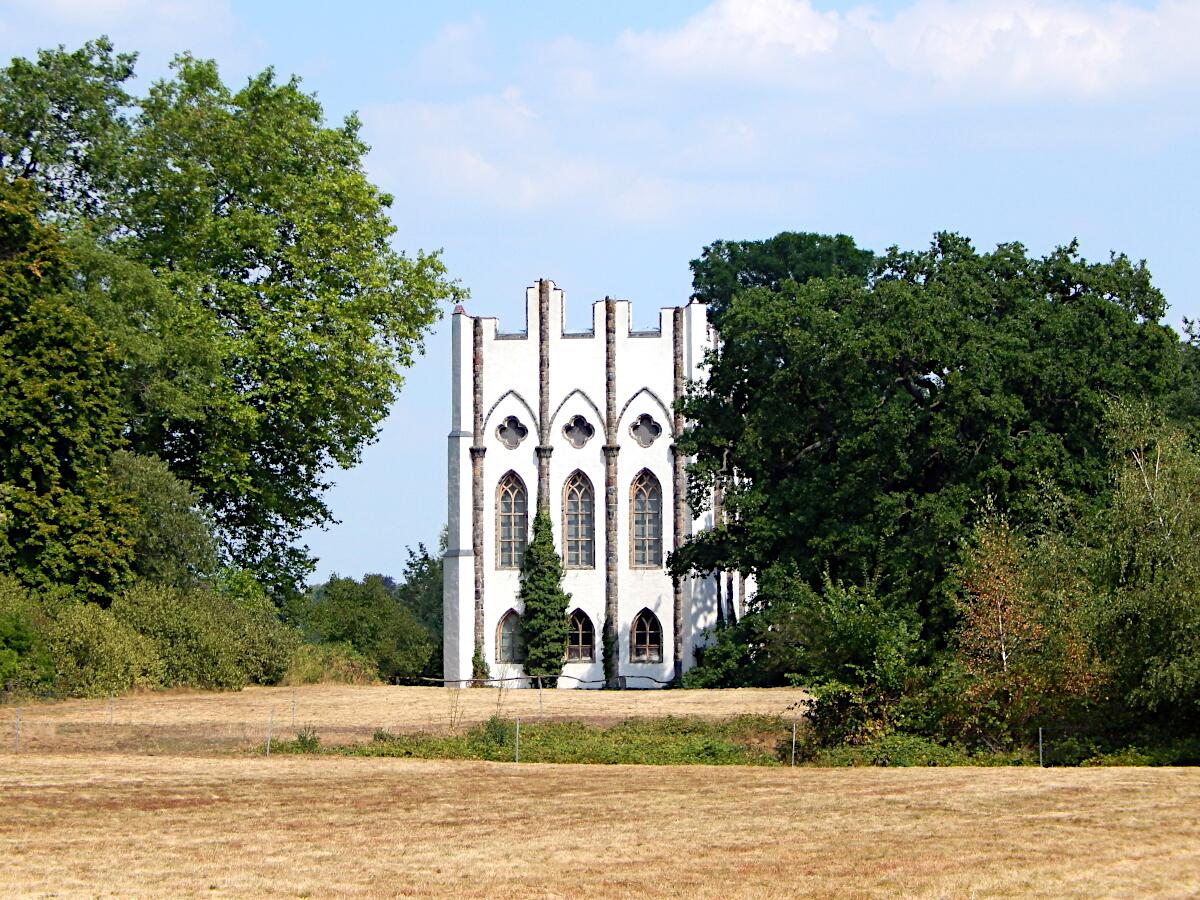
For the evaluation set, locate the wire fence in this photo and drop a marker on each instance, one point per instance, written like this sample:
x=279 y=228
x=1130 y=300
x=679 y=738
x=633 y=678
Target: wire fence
x=240 y=721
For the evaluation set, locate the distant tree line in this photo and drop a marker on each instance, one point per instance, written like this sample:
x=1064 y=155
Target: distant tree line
x=966 y=485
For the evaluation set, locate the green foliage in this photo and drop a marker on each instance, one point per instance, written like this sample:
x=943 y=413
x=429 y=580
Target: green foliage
x=61 y=519
x=745 y=740
x=208 y=639
x=899 y=750
x=1147 y=571
x=240 y=233
x=329 y=664
x=173 y=538
x=62 y=124
x=96 y=654
x=794 y=634
x=479 y=666
x=25 y=661
x=728 y=267
x=544 y=604
x=369 y=618
x=867 y=421
x=420 y=591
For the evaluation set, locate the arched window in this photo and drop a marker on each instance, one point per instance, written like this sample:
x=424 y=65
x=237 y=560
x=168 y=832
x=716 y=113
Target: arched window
x=579 y=522
x=645 y=526
x=645 y=638
x=581 y=638
x=509 y=648
x=512 y=523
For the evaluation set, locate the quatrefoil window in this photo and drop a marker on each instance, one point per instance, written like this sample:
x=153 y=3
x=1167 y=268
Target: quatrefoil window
x=511 y=432
x=645 y=430
x=578 y=431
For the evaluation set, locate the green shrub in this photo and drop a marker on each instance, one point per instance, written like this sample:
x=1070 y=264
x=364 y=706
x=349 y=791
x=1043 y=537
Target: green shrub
x=894 y=750
x=747 y=740
x=209 y=639
x=97 y=654
x=329 y=664
x=845 y=714
x=25 y=660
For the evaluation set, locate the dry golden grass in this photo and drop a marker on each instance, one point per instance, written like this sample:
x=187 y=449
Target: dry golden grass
x=313 y=826
x=207 y=722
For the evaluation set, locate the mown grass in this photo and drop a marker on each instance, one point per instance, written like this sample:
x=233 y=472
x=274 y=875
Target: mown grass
x=739 y=741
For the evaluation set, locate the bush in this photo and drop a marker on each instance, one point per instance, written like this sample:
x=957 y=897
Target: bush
x=894 y=750
x=25 y=660
x=329 y=664
x=97 y=654
x=208 y=639
x=368 y=618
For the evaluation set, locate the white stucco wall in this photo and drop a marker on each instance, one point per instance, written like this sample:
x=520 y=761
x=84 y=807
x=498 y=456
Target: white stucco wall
x=644 y=382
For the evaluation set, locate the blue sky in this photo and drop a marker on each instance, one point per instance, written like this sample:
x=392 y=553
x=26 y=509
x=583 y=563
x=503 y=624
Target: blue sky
x=603 y=145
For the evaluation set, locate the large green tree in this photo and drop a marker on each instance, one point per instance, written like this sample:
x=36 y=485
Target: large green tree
x=726 y=267
x=232 y=249
x=62 y=520
x=858 y=425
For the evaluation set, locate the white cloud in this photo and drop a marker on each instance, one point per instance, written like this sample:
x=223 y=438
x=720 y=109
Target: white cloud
x=1016 y=46
x=752 y=35
x=1037 y=47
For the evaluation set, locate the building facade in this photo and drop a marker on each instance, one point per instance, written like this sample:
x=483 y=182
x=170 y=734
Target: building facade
x=583 y=423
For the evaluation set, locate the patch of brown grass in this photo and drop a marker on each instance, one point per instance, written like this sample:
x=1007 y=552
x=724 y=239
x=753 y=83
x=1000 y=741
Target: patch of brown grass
x=190 y=722
x=299 y=826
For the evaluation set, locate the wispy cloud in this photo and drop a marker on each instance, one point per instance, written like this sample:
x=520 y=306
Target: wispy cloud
x=1009 y=46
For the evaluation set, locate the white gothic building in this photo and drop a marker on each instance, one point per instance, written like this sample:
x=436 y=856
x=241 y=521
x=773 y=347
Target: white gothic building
x=586 y=422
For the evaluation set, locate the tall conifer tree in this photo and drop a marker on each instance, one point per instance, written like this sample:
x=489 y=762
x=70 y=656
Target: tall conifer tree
x=544 y=621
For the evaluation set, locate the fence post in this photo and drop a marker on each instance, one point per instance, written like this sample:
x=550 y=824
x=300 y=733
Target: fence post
x=1041 y=757
x=17 y=742
x=518 y=742
x=110 y=710
x=793 y=743
x=270 y=729
x=293 y=707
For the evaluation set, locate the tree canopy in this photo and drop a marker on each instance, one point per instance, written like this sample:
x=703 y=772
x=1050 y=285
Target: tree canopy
x=232 y=252
x=858 y=424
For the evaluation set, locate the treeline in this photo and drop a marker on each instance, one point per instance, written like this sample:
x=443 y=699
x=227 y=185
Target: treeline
x=201 y=316
x=967 y=485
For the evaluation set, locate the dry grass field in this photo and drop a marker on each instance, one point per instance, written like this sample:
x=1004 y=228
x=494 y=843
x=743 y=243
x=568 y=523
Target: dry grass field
x=210 y=722
x=156 y=795
x=309 y=826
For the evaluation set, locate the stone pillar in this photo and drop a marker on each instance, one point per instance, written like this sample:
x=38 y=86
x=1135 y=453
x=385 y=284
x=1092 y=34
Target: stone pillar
x=544 y=449
x=611 y=500
x=678 y=494
x=477 y=452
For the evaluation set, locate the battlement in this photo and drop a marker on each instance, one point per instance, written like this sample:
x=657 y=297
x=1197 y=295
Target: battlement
x=557 y=313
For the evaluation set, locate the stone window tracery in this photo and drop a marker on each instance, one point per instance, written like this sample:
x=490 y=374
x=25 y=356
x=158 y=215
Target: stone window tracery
x=581 y=638
x=645 y=638
x=578 y=431
x=645 y=430
x=512 y=521
x=511 y=432
x=509 y=647
x=579 y=522
x=645 y=526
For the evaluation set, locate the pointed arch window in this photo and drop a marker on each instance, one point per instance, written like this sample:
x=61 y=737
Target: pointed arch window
x=512 y=521
x=581 y=638
x=645 y=526
x=645 y=638
x=509 y=646
x=579 y=522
